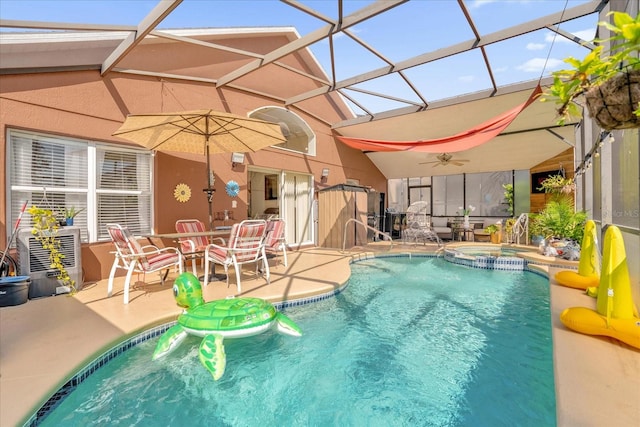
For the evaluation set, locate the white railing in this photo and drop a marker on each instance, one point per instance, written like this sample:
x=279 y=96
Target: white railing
x=386 y=236
x=520 y=229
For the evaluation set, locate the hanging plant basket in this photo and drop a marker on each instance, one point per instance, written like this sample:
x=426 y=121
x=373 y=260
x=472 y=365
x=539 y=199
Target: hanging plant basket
x=612 y=104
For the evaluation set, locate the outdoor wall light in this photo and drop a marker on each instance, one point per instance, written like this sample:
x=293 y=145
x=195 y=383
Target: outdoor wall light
x=237 y=159
x=325 y=172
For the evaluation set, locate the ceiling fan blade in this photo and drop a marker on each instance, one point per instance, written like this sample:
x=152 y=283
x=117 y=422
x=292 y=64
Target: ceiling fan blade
x=459 y=162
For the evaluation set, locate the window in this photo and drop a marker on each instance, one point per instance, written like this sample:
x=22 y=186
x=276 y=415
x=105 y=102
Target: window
x=420 y=191
x=624 y=172
x=397 y=189
x=299 y=135
x=106 y=183
x=450 y=192
x=448 y=195
x=485 y=191
x=123 y=190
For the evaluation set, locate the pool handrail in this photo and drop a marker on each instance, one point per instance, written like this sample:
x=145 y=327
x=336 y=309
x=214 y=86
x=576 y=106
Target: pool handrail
x=367 y=227
x=520 y=228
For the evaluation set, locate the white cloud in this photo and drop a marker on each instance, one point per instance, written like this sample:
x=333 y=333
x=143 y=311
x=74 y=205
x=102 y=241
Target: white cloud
x=535 y=46
x=587 y=35
x=467 y=79
x=500 y=69
x=536 y=65
x=479 y=3
x=556 y=64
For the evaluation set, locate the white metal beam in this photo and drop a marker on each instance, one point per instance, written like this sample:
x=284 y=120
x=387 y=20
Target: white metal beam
x=161 y=11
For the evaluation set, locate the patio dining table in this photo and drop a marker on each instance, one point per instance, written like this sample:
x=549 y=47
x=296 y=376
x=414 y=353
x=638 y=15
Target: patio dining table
x=211 y=235
x=460 y=232
x=215 y=233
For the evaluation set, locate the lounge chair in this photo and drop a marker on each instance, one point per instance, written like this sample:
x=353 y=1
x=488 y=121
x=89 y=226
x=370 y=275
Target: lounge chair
x=418 y=225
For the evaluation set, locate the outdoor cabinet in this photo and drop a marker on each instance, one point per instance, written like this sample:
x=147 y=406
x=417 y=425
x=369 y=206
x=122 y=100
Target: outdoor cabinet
x=336 y=205
x=394 y=224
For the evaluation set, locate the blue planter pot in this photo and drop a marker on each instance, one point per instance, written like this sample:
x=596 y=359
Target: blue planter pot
x=536 y=240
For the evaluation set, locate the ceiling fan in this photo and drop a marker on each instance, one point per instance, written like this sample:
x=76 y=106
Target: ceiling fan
x=445 y=159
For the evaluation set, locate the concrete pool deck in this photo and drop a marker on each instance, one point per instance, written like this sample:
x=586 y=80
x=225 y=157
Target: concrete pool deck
x=45 y=341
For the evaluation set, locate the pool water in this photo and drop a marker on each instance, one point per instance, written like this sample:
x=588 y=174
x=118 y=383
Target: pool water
x=410 y=342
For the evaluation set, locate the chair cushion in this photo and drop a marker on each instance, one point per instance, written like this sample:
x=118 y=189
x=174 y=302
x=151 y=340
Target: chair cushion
x=249 y=236
x=219 y=255
x=196 y=243
x=157 y=262
x=275 y=231
x=439 y=221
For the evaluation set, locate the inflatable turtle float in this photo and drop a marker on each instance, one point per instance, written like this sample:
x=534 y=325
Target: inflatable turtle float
x=216 y=320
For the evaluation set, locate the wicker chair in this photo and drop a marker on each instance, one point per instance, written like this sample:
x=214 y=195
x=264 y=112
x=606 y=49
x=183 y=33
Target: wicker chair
x=419 y=225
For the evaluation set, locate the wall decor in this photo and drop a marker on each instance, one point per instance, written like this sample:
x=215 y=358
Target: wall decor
x=271 y=187
x=232 y=188
x=182 y=193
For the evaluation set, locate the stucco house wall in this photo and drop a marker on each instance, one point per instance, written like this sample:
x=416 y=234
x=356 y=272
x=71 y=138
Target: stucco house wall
x=83 y=104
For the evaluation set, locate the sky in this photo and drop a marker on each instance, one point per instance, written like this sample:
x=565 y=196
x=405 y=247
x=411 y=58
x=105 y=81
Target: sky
x=399 y=34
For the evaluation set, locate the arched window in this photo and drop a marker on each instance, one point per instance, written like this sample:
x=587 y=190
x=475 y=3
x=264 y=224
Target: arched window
x=300 y=137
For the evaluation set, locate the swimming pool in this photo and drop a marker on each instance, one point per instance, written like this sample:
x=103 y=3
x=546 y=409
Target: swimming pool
x=426 y=343
x=477 y=250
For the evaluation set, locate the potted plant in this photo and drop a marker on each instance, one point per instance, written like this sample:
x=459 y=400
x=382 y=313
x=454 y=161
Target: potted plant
x=610 y=82
x=465 y=212
x=45 y=230
x=557 y=186
x=494 y=232
x=535 y=230
x=559 y=220
x=70 y=214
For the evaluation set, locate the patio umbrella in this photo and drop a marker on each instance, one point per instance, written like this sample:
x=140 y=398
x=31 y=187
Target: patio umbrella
x=201 y=131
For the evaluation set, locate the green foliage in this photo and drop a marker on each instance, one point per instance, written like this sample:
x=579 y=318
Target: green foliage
x=597 y=66
x=508 y=196
x=508 y=225
x=492 y=228
x=71 y=212
x=559 y=219
x=557 y=186
x=45 y=231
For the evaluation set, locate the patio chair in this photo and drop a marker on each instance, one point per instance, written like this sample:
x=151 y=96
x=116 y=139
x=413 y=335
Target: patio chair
x=419 y=225
x=192 y=248
x=275 y=240
x=131 y=256
x=246 y=245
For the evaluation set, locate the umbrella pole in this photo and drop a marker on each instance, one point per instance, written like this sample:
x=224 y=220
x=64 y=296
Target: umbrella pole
x=209 y=190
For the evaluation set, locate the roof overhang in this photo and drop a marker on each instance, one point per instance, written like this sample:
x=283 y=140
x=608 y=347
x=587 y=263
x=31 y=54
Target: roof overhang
x=530 y=139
